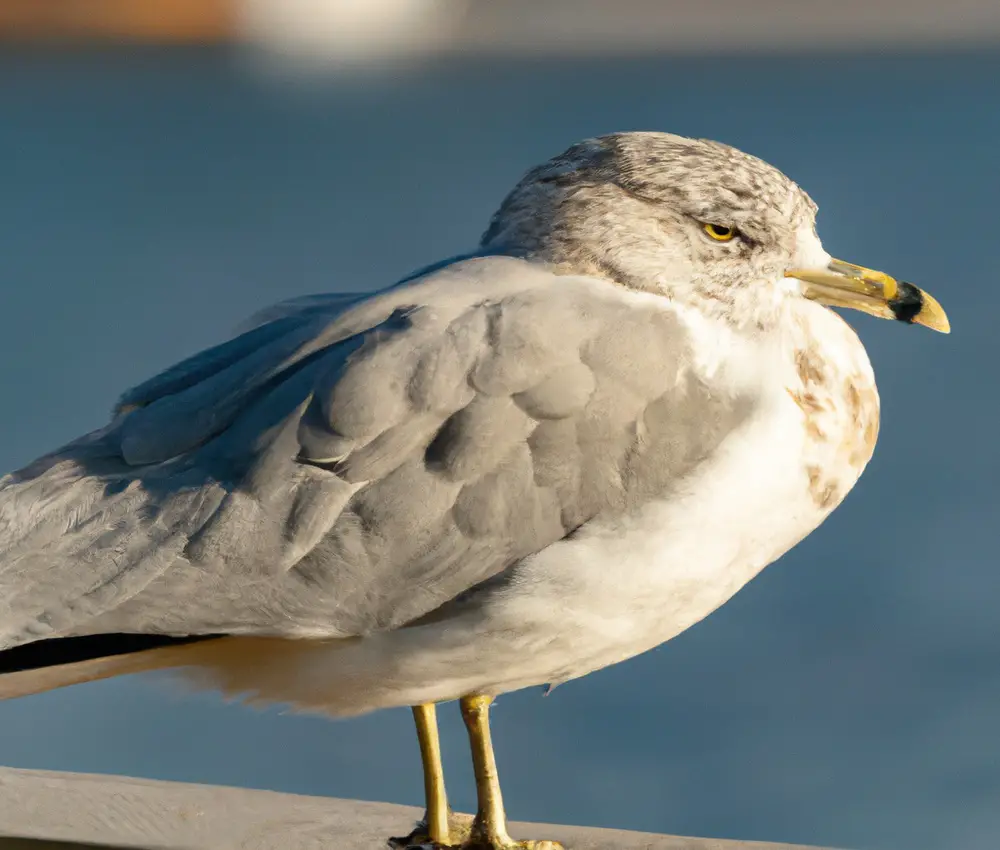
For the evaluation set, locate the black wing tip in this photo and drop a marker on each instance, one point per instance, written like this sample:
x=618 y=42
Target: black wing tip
x=52 y=652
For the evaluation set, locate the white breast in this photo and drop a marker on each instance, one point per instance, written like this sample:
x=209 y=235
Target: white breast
x=624 y=585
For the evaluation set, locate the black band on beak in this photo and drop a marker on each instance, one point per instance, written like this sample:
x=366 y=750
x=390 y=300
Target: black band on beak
x=908 y=303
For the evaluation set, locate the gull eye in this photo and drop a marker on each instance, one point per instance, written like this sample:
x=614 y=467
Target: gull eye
x=720 y=233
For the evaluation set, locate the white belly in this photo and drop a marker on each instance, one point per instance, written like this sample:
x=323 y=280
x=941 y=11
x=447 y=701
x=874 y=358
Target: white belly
x=621 y=587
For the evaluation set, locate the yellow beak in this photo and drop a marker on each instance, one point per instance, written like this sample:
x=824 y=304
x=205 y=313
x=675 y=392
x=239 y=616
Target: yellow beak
x=843 y=284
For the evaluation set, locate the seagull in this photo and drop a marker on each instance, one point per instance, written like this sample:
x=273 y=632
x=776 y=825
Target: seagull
x=507 y=470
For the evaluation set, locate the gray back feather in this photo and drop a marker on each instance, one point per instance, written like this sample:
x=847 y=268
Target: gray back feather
x=353 y=463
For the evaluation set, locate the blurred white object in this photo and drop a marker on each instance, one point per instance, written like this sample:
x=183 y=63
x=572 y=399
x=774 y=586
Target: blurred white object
x=348 y=32
x=376 y=33
x=358 y=32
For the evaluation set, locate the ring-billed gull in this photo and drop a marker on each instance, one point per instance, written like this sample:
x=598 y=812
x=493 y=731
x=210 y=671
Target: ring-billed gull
x=510 y=469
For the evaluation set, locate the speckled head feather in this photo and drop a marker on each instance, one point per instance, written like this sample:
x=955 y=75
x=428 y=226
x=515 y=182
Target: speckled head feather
x=631 y=207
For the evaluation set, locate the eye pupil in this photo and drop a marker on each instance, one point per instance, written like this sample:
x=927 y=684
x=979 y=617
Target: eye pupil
x=720 y=232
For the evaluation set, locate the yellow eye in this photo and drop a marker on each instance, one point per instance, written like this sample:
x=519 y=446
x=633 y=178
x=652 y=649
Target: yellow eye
x=719 y=232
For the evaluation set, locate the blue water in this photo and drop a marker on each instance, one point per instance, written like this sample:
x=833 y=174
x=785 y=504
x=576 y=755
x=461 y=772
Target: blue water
x=849 y=696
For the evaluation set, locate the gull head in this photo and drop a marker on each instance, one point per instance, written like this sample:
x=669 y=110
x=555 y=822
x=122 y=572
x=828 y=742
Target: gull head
x=695 y=221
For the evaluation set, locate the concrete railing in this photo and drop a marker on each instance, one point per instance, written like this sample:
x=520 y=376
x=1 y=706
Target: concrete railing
x=41 y=810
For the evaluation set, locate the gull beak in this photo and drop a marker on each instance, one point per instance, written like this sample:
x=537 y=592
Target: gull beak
x=842 y=284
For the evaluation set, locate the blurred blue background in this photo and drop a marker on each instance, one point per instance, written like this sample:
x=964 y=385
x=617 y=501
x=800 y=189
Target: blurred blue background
x=151 y=200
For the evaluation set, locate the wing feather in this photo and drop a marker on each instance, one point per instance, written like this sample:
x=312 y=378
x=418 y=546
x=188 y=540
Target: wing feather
x=354 y=463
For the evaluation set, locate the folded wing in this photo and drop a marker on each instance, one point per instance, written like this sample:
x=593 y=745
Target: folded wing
x=354 y=463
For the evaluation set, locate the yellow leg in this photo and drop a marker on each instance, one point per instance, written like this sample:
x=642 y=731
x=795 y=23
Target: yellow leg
x=490 y=825
x=441 y=827
x=489 y=829
x=425 y=717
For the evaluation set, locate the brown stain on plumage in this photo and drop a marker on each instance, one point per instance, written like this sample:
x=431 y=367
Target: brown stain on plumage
x=810 y=406
x=859 y=443
x=825 y=492
x=810 y=366
x=846 y=406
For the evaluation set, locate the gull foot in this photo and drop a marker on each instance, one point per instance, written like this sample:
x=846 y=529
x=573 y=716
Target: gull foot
x=459 y=829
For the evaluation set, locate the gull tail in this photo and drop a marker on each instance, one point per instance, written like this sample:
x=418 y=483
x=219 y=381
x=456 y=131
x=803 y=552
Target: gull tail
x=337 y=677
x=45 y=665
x=255 y=670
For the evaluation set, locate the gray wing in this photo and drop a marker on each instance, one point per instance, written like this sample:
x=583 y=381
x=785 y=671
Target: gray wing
x=350 y=465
